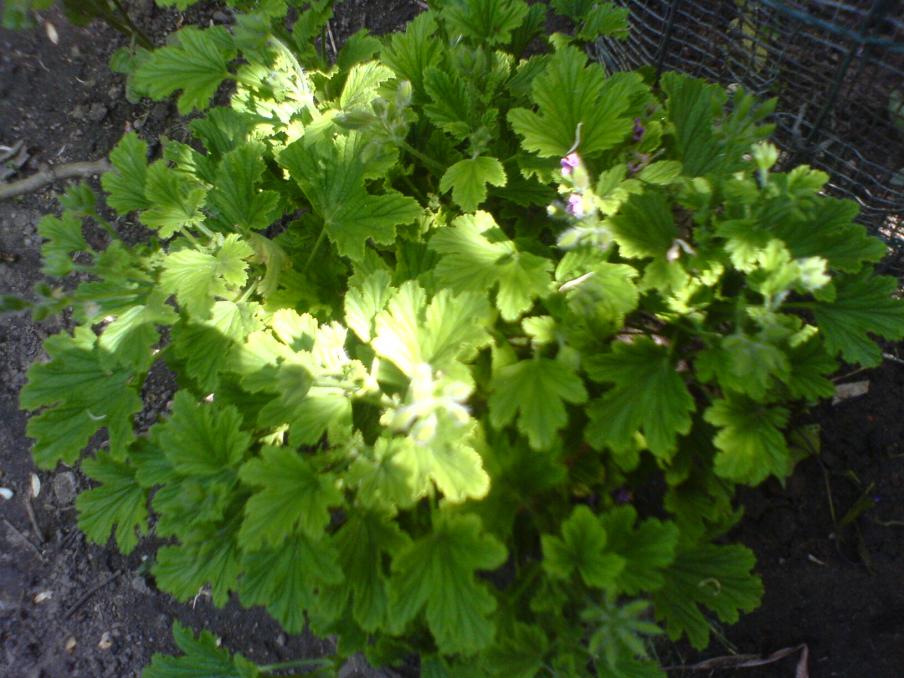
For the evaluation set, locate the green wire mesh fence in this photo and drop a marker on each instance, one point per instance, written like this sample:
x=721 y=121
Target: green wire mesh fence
x=837 y=69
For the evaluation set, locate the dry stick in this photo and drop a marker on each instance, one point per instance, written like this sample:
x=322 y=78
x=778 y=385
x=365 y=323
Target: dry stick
x=744 y=661
x=90 y=592
x=24 y=538
x=29 y=509
x=51 y=174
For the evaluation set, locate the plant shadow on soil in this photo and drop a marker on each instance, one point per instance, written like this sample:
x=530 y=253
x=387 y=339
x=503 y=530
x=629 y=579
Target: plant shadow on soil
x=71 y=608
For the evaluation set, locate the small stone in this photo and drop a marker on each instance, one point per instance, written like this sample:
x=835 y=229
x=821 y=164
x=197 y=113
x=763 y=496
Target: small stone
x=42 y=597
x=70 y=644
x=64 y=487
x=281 y=640
x=21 y=220
x=115 y=92
x=79 y=112
x=106 y=642
x=140 y=585
x=97 y=112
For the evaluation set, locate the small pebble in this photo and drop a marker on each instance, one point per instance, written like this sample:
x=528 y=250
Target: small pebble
x=64 y=487
x=97 y=112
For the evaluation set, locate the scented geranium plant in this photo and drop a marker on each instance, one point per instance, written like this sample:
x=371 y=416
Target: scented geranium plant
x=473 y=339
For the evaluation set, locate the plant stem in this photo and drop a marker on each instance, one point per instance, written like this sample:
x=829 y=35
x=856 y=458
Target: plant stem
x=426 y=159
x=143 y=40
x=320 y=239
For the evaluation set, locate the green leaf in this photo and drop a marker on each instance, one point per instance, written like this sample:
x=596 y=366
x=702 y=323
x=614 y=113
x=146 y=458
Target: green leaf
x=213 y=560
x=661 y=173
x=82 y=396
x=864 y=304
x=357 y=48
x=362 y=84
x=124 y=184
x=236 y=194
x=412 y=53
x=581 y=549
x=196 y=64
x=286 y=578
x=363 y=542
x=119 y=501
x=202 y=439
x=537 y=390
x=693 y=105
x=203 y=658
x=453 y=104
x=605 y=19
x=478 y=255
x=827 y=229
x=744 y=364
x=647 y=548
x=334 y=184
x=64 y=237
x=517 y=654
x=810 y=363
x=468 y=180
x=648 y=395
x=570 y=93
x=364 y=300
x=455 y=467
x=290 y=495
x=716 y=577
x=485 y=21
x=175 y=200
x=750 y=440
x=409 y=331
x=644 y=226
x=388 y=476
x=207 y=346
x=129 y=338
x=438 y=572
x=197 y=278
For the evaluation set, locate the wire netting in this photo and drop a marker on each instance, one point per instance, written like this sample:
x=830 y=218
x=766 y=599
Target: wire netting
x=837 y=69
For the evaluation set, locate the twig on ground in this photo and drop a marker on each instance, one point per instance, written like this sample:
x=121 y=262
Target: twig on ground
x=33 y=520
x=51 y=174
x=90 y=592
x=21 y=536
x=743 y=661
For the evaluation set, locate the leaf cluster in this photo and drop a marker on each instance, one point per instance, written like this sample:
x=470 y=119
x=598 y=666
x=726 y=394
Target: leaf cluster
x=435 y=307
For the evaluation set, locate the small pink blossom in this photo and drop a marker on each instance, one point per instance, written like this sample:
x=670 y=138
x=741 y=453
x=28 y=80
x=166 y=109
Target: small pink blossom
x=569 y=163
x=575 y=206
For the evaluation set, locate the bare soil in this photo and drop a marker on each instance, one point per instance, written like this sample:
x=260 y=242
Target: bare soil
x=71 y=608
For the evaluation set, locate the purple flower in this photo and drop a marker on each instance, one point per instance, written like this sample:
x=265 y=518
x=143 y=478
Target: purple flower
x=575 y=206
x=622 y=495
x=639 y=130
x=569 y=163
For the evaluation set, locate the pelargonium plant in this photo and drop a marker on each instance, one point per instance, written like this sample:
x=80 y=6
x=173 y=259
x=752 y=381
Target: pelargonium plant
x=473 y=339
